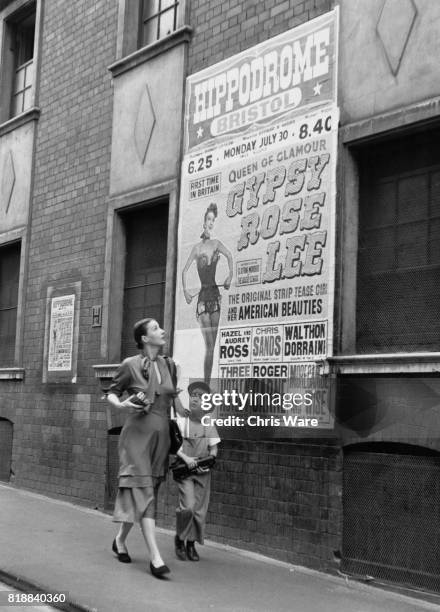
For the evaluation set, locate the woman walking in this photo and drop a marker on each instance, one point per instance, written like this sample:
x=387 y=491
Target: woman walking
x=144 y=441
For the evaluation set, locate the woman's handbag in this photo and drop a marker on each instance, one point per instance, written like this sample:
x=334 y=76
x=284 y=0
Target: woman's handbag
x=175 y=437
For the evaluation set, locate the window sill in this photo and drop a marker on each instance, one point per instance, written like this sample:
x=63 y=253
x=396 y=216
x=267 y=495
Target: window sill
x=32 y=114
x=386 y=363
x=182 y=35
x=11 y=373
x=105 y=371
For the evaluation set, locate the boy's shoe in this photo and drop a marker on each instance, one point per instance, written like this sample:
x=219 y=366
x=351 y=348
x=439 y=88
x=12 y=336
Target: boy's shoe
x=179 y=547
x=191 y=552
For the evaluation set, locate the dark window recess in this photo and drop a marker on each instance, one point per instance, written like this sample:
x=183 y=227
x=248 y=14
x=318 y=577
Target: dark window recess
x=24 y=39
x=9 y=278
x=158 y=18
x=145 y=268
x=111 y=484
x=398 y=282
x=6 y=436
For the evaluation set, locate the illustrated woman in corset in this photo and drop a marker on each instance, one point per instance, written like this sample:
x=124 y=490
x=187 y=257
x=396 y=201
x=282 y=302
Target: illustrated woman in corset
x=206 y=254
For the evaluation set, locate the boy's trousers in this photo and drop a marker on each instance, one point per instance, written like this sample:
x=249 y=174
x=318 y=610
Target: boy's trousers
x=193 y=506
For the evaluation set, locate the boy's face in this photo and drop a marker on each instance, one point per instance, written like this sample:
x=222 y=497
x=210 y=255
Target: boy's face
x=195 y=400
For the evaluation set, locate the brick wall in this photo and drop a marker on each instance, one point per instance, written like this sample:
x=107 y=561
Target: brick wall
x=280 y=499
x=222 y=29
x=59 y=434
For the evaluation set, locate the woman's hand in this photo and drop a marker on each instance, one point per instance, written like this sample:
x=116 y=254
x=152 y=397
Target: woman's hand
x=227 y=253
x=180 y=408
x=188 y=296
x=114 y=400
x=146 y=407
x=127 y=403
x=227 y=282
x=176 y=392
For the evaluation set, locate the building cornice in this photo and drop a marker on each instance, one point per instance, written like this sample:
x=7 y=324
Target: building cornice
x=181 y=35
x=410 y=117
x=386 y=363
x=33 y=114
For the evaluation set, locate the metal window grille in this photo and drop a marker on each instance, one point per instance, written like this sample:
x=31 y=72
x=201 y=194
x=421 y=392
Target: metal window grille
x=158 y=19
x=398 y=281
x=391 y=506
x=145 y=269
x=9 y=279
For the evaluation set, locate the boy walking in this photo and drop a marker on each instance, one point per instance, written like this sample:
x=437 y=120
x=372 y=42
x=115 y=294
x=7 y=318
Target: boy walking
x=199 y=441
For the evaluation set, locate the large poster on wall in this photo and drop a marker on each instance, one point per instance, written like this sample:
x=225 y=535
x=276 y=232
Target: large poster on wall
x=255 y=287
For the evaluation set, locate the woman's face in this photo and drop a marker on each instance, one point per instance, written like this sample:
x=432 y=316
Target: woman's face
x=155 y=336
x=209 y=222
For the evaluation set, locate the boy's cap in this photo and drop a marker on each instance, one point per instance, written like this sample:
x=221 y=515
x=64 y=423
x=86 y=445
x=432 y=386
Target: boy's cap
x=198 y=385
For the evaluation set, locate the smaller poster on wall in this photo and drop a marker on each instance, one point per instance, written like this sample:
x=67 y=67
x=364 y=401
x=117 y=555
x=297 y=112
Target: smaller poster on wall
x=62 y=312
x=61 y=333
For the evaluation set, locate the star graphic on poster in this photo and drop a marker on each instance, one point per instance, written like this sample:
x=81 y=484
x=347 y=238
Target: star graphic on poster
x=200 y=132
x=317 y=89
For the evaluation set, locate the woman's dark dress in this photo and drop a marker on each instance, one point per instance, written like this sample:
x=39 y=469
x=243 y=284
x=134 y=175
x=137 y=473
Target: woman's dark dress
x=144 y=441
x=209 y=295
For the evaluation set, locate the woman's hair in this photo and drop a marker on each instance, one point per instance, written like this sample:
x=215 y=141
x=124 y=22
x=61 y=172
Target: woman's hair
x=140 y=329
x=211 y=208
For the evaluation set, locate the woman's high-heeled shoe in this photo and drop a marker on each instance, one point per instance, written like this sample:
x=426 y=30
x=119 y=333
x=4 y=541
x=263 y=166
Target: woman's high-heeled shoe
x=159 y=572
x=122 y=557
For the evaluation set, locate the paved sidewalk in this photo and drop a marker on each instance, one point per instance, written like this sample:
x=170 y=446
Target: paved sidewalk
x=66 y=548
